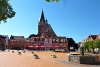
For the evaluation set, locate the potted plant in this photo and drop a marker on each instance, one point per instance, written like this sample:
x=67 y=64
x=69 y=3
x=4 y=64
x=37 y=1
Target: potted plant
x=19 y=53
x=35 y=56
x=53 y=56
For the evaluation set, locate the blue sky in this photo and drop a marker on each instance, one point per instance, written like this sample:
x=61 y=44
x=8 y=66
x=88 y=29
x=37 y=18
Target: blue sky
x=70 y=18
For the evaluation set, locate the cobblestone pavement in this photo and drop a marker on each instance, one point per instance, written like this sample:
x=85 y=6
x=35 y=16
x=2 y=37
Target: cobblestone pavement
x=9 y=59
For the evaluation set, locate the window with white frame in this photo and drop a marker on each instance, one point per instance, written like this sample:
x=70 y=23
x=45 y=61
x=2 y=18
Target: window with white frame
x=53 y=40
x=56 y=44
x=61 y=40
x=64 y=40
x=57 y=40
x=61 y=44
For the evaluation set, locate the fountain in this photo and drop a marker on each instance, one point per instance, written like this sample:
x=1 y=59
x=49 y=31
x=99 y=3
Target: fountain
x=83 y=58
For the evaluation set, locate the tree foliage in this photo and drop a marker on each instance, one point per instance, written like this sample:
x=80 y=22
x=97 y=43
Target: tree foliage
x=86 y=45
x=98 y=44
x=92 y=44
x=6 y=10
x=52 y=0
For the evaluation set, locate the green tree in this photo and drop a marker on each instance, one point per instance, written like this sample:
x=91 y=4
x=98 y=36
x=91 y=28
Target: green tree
x=93 y=45
x=52 y=0
x=6 y=10
x=87 y=46
x=98 y=44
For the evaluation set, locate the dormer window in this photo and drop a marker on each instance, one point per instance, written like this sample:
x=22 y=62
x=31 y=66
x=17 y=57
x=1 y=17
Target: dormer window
x=61 y=40
x=64 y=40
x=53 y=40
x=57 y=40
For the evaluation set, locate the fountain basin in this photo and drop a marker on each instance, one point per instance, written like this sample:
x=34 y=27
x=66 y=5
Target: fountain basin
x=86 y=59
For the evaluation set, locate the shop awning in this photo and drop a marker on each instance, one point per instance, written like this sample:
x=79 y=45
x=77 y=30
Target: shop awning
x=36 y=46
x=30 y=46
x=50 y=46
x=56 y=46
x=42 y=46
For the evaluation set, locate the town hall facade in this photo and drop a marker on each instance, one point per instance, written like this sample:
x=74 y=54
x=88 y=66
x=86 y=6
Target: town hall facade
x=45 y=37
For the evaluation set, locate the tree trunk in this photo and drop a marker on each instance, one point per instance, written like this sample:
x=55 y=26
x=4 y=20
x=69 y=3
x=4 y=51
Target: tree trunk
x=88 y=50
x=93 y=50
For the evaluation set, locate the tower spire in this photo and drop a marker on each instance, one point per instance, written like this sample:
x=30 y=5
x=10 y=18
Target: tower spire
x=46 y=20
x=42 y=18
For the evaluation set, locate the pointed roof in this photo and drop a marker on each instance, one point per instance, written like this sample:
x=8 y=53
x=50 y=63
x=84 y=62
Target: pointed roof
x=46 y=20
x=42 y=18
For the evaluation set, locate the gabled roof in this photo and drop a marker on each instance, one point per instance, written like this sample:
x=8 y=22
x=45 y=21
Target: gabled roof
x=14 y=37
x=93 y=36
x=70 y=40
x=1 y=36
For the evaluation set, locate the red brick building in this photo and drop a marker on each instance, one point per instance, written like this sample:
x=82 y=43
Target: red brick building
x=92 y=37
x=46 y=37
